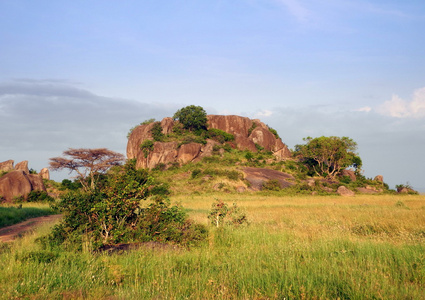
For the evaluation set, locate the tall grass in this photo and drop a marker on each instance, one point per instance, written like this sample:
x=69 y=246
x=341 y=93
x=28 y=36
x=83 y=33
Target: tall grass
x=10 y=215
x=294 y=248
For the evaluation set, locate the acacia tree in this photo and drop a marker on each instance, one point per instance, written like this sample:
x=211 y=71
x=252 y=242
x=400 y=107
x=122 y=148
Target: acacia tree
x=328 y=156
x=87 y=163
x=192 y=117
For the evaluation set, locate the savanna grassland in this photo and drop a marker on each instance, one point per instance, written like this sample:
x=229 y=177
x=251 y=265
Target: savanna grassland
x=295 y=247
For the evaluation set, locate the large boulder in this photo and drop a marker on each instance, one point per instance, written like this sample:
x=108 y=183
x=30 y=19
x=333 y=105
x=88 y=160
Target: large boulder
x=14 y=184
x=44 y=174
x=249 y=134
x=6 y=166
x=258 y=176
x=23 y=165
x=344 y=191
x=37 y=183
x=349 y=173
x=162 y=153
x=188 y=152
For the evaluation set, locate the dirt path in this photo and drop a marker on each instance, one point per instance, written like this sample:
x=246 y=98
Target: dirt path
x=10 y=233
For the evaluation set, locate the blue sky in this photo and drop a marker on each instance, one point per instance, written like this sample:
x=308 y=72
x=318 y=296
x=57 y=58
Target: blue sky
x=81 y=73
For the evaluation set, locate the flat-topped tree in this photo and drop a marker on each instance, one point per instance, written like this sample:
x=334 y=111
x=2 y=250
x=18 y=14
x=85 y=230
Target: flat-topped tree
x=328 y=156
x=87 y=163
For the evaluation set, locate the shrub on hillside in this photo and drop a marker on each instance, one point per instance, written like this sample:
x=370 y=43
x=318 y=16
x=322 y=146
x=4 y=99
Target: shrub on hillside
x=129 y=207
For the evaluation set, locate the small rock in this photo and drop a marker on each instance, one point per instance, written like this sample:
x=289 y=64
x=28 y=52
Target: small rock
x=343 y=191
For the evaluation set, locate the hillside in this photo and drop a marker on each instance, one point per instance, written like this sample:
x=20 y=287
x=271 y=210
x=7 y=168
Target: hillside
x=235 y=154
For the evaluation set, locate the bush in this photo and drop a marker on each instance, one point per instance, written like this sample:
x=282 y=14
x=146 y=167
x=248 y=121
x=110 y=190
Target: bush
x=156 y=132
x=130 y=206
x=39 y=196
x=271 y=185
x=221 y=214
x=192 y=117
x=220 y=135
x=147 y=147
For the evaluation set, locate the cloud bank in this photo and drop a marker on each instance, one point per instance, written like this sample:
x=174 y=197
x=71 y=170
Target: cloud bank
x=400 y=108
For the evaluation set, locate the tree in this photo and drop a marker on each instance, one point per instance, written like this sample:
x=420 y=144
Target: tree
x=328 y=156
x=87 y=163
x=192 y=117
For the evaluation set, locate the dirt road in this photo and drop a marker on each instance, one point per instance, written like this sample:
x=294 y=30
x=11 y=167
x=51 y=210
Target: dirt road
x=10 y=233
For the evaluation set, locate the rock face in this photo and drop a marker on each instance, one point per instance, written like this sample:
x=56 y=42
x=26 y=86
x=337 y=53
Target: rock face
x=6 y=166
x=343 y=191
x=350 y=174
x=14 y=184
x=23 y=165
x=19 y=183
x=379 y=178
x=44 y=174
x=257 y=176
x=248 y=134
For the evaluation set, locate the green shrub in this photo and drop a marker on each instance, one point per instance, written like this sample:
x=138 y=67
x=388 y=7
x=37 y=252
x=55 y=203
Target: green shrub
x=271 y=185
x=192 y=117
x=221 y=214
x=147 y=147
x=156 y=132
x=251 y=129
x=196 y=173
x=130 y=206
x=39 y=196
x=220 y=135
x=274 y=132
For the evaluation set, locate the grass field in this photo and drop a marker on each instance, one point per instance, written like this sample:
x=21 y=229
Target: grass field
x=12 y=214
x=302 y=247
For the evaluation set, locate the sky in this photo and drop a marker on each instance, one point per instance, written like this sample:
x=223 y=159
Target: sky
x=80 y=74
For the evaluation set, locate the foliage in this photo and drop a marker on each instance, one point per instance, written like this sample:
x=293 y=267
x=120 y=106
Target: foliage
x=87 y=163
x=271 y=185
x=220 y=135
x=129 y=206
x=192 y=117
x=328 y=156
x=146 y=122
x=11 y=215
x=251 y=129
x=70 y=185
x=156 y=132
x=191 y=138
x=221 y=214
x=274 y=132
x=147 y=147
x=39 y=196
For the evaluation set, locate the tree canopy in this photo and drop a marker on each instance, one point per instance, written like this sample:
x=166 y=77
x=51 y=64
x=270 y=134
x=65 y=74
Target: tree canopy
x=328 y=156
x=87 y=163
x=192 y=117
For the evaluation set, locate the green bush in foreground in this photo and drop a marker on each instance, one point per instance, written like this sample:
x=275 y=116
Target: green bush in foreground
x=128 y=207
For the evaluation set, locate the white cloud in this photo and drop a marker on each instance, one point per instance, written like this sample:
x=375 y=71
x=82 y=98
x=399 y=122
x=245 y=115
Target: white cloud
x=364 y=109
x=400 y=108
x=264 y=113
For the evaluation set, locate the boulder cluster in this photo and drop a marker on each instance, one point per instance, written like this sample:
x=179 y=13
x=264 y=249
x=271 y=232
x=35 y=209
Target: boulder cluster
x=248 y=135
x=17 y=181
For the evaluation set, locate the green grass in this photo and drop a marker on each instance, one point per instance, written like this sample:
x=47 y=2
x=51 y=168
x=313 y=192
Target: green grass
x=294 y=248
x=10 y=215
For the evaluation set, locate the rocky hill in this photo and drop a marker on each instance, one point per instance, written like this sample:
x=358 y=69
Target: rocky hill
x=248 y=134
x=16 y=181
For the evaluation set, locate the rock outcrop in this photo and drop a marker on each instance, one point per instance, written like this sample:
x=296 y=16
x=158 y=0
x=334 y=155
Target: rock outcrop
x=23 y=165
x=6 y=166
x=349 y=173
x=249 y=134
x=44 y=174
x=343 y=191
x=258 y=176
x=18 y=182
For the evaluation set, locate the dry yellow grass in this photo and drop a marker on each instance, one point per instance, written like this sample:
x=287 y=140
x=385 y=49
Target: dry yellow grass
x=391 y=218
